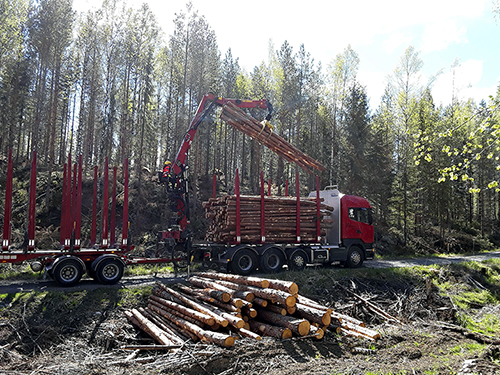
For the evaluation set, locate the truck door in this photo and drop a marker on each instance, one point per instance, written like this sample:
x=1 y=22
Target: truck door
x=357 y=219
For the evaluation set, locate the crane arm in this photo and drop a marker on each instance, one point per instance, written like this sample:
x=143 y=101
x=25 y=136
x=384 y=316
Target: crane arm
x=206 y=106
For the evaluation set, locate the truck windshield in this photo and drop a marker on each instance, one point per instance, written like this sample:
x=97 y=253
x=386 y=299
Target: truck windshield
x=363 y=215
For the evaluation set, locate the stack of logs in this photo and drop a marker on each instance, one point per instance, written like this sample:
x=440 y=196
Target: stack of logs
x=280 y=219
x=263 y=133
x=219 y=308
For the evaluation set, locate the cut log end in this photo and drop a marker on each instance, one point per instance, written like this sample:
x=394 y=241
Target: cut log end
x=304 y=328
x=290 y=301
x=229 y=341
x=287 y=333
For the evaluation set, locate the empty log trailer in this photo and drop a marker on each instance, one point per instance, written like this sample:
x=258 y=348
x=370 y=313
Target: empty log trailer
x=344 y=235
x=105 y=259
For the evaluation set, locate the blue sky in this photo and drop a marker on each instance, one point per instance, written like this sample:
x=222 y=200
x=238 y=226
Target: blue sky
x=443 y=31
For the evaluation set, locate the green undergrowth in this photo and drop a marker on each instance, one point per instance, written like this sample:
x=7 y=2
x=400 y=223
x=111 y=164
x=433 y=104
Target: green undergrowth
x=52 y=305
x=148 y=269
x=17 y=272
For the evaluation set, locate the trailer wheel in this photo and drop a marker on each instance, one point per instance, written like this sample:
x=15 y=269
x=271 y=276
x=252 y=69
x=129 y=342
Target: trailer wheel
x=67 y=272
x=297 y=261
x=272 y=261
x=244 y=262
x=109 y=271
x=354 y=257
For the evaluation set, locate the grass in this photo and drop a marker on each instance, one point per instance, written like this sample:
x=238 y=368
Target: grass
x=472 y=348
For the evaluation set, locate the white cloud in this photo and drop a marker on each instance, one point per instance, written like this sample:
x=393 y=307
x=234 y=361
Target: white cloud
x=464 y=84
x=396 y=40
x=438 y=36
x=375 y=82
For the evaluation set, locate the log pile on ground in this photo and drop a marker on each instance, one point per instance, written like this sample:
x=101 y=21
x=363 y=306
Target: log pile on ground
x=263 y=133
x=219 y=308
x=280 y=219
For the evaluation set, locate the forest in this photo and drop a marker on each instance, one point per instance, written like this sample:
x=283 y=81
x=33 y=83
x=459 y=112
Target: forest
x=110 y=84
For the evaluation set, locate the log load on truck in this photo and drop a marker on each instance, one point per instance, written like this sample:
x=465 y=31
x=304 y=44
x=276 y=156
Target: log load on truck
x=338 y=230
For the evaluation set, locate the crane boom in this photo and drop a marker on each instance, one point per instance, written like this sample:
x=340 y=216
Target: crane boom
x=177 y=186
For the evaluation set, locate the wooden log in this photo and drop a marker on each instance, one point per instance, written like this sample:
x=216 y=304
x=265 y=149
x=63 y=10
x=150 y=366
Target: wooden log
x=204 y=335
x=204 y=283
x=277 y=309
x=313 y=315
x=252 y=313
x=363 y=330
x=221 y=305
x=291 y=309
x=317 y=332
x=270 y=330
x=260 y=301
x=309 y=302
x=150 y=347
x=286 y=286
x=195 y=314
x=237 y=279
x=264 y=135
x=175 y=312
x=250 y=334
x=149 y=327
x=296 y=325
x=157 y=309
x=274 y=295
x=337 y=317
x=172 y=335
x=347 y=332
x=196 y=306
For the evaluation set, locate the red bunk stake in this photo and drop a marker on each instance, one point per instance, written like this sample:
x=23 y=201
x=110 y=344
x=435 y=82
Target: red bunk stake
x=269 y=188
x=286 y=189
x=105 y=204
x=318 y=228
x=298 y=206
x=125 y=207
x=112 y=235
x=214 y=187
x=64 y=222
x=31 y=212
x=73 y=201
x=262 y=210
x=94 y=211
x=78 y=211
x=69 y=215
x=238 y=213
x=7 y=228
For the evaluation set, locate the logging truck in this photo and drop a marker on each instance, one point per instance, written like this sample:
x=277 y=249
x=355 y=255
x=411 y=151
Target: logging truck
x=344 y=235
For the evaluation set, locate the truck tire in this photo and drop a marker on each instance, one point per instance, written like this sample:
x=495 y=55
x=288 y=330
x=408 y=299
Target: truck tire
x=109 y=271
x=272 y=261
x=67 y=272
x=297 y=261
x=355 y=257
x=244 y=262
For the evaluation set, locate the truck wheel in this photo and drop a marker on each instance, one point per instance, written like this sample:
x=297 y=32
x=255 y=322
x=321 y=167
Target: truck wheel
x=109 y=271
x=67 y=272
x=272 y=261
x=354 y=257
x=297 y=261
x=244 y=262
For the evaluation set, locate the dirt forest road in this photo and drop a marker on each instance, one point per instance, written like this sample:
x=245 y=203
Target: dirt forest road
x=15 y=286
